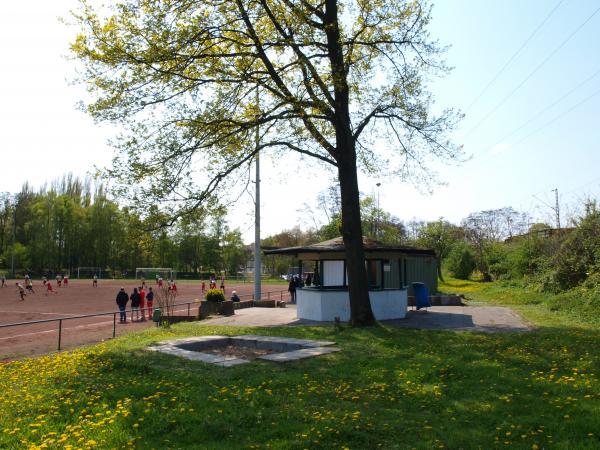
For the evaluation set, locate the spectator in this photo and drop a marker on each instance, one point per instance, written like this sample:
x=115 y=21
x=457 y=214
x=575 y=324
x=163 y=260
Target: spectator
x=309 y=279
x=149 y=302
x=122 y=299
x=142 y=293
x=234 y=296
x=135 y=305
x=292 y=290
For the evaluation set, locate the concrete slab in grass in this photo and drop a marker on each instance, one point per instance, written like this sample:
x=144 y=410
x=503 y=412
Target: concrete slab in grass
x=299 y=354
x=290 y=349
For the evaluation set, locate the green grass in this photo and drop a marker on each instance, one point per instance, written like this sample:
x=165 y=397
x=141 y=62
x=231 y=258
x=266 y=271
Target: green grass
x=388 y=388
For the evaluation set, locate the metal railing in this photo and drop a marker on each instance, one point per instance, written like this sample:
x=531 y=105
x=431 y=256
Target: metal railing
x=271 y=295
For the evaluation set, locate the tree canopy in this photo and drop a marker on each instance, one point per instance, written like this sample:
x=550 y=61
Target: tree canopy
x=192 y=82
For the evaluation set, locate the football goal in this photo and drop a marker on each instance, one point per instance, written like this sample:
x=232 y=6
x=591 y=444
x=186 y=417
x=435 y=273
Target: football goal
x=152 y=273
x=89 y=272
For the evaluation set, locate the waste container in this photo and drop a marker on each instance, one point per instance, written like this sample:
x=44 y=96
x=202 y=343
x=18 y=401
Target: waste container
x=156 y=315
x=421 y=295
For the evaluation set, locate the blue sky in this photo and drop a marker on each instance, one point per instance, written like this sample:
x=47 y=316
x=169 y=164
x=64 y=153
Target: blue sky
x=44 y=136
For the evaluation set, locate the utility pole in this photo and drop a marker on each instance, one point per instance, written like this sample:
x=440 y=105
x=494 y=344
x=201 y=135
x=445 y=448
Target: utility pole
x=377 y=217
x=257 y=255
x=556 y=208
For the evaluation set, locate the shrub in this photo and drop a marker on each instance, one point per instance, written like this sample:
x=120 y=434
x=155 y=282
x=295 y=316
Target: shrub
x=215 y=295
x=461 y=262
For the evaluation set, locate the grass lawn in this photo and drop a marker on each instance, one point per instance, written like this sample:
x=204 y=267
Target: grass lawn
x=388 y=388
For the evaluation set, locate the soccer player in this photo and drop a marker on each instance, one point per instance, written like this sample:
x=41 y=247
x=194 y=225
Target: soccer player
x=44 y=281
x=49 y=288
x=66 y=280
x=29 y=285
x=223 y=284
x=95 y=281
x=58 y=280
x=3 y=279
x=21 y=289
x=203 y=287
x=160 y=282
x=173 y=287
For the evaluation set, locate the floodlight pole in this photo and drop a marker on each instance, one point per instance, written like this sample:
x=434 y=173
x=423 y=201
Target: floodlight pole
x=257 y=255
x=14 y=233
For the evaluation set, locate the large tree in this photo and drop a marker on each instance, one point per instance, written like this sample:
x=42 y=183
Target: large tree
x=335 y=80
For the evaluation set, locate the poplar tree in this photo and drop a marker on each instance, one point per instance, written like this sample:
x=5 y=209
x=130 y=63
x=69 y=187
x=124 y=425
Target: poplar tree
x=192 y=81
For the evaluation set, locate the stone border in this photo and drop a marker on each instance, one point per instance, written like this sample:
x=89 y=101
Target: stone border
x=302 y=348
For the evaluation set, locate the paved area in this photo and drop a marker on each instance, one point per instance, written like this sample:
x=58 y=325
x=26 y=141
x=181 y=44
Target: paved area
x=463 y=318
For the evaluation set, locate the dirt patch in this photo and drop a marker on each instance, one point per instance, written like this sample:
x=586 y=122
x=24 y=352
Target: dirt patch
x=239 y=351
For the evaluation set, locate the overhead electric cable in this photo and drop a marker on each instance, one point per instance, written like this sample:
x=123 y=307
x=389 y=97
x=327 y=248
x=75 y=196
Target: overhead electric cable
x=512 y=58
x=533 y=72
x=547 y=124
x=543 y=110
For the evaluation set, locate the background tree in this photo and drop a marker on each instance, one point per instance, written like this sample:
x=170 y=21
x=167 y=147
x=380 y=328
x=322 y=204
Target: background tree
x=440 y=236
x=183 y=79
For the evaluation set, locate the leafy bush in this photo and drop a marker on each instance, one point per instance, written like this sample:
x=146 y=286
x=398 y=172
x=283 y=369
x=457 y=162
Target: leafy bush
x=461 y=262
x=215 y=295
x=579 y=255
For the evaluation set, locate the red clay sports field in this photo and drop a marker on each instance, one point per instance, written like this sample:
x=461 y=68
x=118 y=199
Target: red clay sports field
x=82 y=298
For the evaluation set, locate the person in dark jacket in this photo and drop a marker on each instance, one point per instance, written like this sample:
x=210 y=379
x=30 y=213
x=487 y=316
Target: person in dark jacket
x=122 y=299
x=135 y=305
x=234 y=296
x=292 y=290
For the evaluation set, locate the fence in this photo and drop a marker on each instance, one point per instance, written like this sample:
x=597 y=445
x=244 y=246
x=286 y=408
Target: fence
x=271 y=295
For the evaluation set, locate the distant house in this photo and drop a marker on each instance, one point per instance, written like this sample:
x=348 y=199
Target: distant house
x=391 y=271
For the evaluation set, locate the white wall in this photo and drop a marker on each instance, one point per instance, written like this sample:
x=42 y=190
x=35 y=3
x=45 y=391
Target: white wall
x=324 y=305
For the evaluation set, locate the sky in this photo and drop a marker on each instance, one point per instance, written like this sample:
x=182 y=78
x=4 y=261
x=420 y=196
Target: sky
x=526 y=74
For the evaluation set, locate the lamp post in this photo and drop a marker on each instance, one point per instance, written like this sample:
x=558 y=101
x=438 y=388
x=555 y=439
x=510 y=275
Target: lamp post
x=257 y=255
x=377 y=218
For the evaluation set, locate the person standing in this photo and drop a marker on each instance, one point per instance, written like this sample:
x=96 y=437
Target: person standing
x=3 y=279
x=66 y=280
x=203 y=287
x=122 y=299
x=135 y=305
x=95 y=281
x=173 y=287
x=142 y=293
x=292 y=290
x=149 y=302
x=223 y=283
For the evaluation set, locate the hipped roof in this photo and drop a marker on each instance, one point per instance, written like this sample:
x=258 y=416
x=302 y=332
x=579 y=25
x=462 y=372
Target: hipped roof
x=337 y=245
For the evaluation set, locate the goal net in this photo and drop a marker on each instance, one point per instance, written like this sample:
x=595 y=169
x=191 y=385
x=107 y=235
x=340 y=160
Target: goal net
x=153 y=273
x=89 y=272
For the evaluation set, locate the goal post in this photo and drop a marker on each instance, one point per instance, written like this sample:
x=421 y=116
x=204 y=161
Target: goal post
x=89 y=272
x=151 y=273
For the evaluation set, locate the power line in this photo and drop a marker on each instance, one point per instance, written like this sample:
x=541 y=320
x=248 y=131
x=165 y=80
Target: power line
x=533 y=72
x=547 y=124
x=543 y=110
x=512 y=58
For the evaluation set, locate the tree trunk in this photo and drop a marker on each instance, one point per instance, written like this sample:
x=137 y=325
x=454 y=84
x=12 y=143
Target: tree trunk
x=358 y=286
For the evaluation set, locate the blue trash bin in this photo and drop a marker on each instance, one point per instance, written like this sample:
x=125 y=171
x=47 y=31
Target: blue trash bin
x=421 y=295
